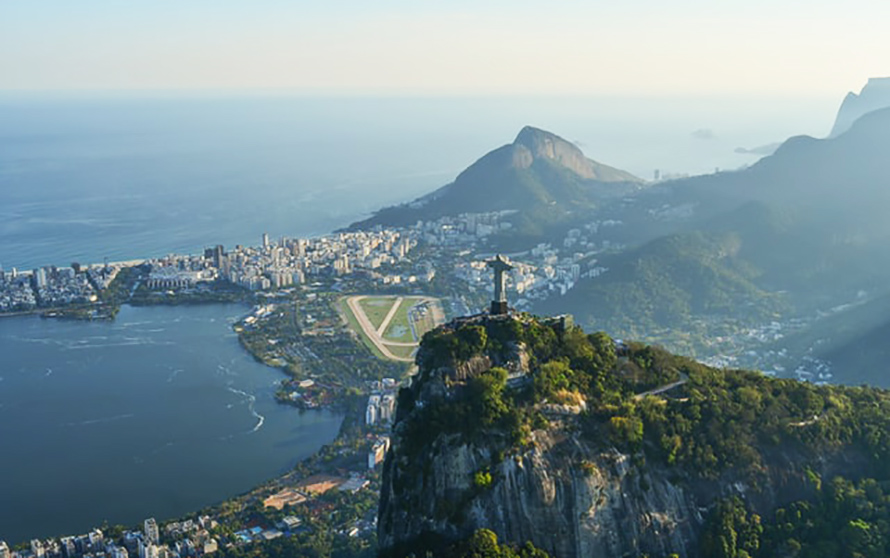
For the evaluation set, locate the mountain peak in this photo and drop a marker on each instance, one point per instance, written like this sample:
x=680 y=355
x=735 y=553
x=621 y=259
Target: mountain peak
x=530 y=136
x=875 y=95
x=545 y=145
x=540 y=175
x=878 y=82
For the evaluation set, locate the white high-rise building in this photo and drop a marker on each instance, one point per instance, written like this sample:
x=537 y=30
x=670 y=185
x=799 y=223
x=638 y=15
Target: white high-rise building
x=40 y=278
x=97 y=539
x=150 y=529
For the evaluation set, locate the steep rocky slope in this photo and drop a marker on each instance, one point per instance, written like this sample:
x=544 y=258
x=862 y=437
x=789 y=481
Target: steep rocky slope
x=587 y=448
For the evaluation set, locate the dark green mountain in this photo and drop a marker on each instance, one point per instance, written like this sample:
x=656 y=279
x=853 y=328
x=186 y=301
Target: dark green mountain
x=809 y=222
x=541 y=433
x=541 y=176
x=669 y=283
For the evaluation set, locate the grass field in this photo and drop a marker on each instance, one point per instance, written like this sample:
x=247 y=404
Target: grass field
x=414 y=315
x=399 y=328
x=353 y=323
x=376 y=308
x=405 y=352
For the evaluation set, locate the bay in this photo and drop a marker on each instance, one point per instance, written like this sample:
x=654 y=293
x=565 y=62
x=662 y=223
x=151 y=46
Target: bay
x=159 y=413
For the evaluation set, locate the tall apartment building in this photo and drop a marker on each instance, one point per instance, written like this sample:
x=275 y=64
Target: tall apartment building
x=150 y=529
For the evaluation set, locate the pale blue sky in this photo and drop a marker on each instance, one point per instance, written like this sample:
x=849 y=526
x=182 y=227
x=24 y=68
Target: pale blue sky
x=623 y=47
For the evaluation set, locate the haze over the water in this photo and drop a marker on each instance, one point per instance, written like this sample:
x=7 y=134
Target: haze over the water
x=126 y=176
x=636 y=47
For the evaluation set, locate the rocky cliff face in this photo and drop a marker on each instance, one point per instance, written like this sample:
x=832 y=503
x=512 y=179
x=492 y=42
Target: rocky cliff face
x=875 y=95
x=568 y=492
x=566 y=497
x=532 y=144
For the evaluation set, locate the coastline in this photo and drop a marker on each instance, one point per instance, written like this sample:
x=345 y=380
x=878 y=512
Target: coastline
x=321 y=362
x=56 y=364
x=348 y=407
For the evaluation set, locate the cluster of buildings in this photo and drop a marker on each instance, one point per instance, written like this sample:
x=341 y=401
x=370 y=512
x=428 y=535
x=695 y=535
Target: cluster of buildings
x=56 y=286
x=309 y=488
x=291 y=261
x=52 y=286
x=306 y=492
x=463 y=230
x=380 y=411
x=541 y=272
x=16 y=294
x=176 y=272
x=188 y=539
x=373 y=254
x=381 y=402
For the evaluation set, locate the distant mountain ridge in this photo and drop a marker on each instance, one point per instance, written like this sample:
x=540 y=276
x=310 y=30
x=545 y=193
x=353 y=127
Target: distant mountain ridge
x=875 y=95
x=808 y=222
x=540 y=175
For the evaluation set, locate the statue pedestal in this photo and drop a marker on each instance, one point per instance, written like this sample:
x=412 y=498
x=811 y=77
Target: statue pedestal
x=499 y=308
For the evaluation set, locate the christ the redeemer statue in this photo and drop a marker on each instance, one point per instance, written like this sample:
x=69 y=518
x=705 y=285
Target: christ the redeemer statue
x=500 y=265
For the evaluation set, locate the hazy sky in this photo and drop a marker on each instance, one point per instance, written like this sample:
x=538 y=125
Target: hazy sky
x=640 y=47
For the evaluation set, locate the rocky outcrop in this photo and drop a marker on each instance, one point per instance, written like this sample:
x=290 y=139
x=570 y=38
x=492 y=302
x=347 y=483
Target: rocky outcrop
x=563 y=494
x=533 y=143
x=566 y=497
x=875 y=95
x=565 y=487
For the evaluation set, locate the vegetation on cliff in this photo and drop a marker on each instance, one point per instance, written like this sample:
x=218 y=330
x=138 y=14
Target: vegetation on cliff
x=492 y=382
x=484 y=544
x=711 y=421
x=844 y=519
